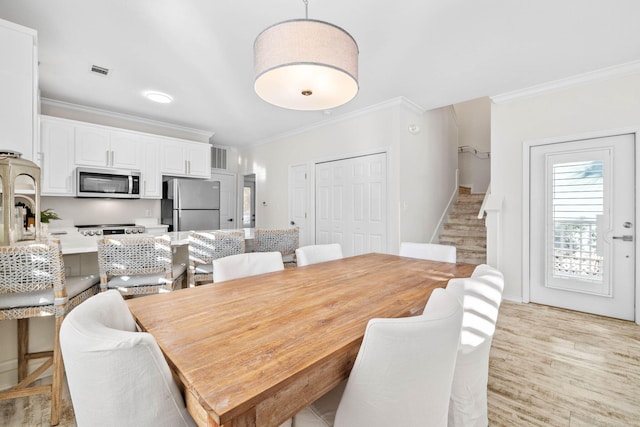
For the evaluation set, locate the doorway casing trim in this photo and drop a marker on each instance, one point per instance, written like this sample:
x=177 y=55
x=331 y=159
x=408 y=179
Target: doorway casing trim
x=526 y=177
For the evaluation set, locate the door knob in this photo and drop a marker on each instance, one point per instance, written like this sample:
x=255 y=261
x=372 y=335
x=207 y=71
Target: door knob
x=293 y=223
x=625 y=238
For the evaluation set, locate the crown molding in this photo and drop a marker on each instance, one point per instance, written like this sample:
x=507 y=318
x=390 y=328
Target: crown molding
x=121 y=116
x=394 y=102
x=577 y=80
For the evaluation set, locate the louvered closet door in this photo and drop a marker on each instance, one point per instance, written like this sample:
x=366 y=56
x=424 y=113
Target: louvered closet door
x=581 y=208
x=351 y=203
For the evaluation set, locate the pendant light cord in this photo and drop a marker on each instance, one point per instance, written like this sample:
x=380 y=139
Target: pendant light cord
x=306 y=9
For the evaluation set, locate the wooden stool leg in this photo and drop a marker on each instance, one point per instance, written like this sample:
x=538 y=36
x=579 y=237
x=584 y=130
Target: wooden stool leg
x=23 y=348
x=58 y=376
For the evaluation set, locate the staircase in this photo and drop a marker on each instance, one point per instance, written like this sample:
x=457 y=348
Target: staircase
x=464 y=230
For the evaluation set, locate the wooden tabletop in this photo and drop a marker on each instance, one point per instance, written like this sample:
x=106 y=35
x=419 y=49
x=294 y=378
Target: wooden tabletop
x=255 y=351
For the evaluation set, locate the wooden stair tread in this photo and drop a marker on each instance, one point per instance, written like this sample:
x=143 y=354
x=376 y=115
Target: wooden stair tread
x=465 y=230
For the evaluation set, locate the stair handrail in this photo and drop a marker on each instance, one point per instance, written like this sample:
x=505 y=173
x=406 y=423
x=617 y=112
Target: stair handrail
x=479 y=154
x=484 y=202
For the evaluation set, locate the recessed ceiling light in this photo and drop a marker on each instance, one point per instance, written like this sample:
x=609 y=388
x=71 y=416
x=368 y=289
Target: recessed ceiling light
x=160 y=97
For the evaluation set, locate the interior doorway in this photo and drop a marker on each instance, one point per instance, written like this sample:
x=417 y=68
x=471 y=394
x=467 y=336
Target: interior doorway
x=249 y=201
x=299 y=202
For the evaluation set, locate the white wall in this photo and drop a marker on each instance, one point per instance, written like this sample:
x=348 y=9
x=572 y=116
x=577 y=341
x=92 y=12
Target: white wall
x=474 y=125
x=101 y=211
x=421 y=168
x=599 y=106
x=428 y=168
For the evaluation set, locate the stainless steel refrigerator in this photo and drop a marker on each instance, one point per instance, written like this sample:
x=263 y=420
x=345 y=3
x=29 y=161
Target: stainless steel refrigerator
x=191 y=204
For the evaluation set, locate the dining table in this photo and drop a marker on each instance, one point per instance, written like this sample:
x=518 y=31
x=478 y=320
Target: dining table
x=254 y=351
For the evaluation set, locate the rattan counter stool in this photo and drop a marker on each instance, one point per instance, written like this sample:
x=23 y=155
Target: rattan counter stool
x=205 y=246
x=33 y=284
x=138 y=265
x=285 y=241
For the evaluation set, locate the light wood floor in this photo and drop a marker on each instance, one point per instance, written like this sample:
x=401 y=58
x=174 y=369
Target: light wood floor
x=554 y=367
x=549 y=367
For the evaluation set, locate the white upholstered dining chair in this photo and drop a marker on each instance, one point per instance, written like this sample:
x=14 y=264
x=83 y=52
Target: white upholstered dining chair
x=480 y=295
x=402 y=374
x=247 y=264
x=117 y=376
x=314 y=254
x=431 y=251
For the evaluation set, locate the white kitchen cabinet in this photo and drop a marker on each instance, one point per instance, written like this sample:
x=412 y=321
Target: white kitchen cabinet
x=56 y=158
x=100 y=146
x=199 y=157
x=185 y=158
x=18 y=89
x=151 y=177
x=81 y=264
x=126 y=149
x=67 y=144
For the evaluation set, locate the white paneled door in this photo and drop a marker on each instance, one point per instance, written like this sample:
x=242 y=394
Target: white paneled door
x=228 y=199
x=351 y=198
x=298 y=201
x=582 y=207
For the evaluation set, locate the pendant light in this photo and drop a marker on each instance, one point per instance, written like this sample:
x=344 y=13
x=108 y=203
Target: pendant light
x=305 y=64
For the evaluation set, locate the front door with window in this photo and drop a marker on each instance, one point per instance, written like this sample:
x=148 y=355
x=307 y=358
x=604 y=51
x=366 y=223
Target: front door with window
x=582 y=202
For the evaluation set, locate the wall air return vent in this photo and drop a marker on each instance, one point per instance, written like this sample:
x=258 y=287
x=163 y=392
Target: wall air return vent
x=100 y=70
x=218 y=157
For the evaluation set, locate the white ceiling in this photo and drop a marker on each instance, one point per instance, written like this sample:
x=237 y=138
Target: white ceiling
x=432 y=52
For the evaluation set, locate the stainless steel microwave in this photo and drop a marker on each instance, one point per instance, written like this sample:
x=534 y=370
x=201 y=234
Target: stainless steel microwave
x=111 y=183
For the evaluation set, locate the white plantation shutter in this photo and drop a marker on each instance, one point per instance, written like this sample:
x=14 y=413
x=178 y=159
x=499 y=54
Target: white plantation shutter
x=577 y=191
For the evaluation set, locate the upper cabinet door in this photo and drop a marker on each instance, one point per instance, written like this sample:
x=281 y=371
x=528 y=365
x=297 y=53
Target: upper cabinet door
x=56 y=160
x=199 y=160
x=173 y=160
x=151 y=177
x=92 y=147
x=18 y=89
x=126 y=149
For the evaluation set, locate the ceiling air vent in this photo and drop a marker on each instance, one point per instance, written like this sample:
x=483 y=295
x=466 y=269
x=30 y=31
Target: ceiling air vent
x=99 y=70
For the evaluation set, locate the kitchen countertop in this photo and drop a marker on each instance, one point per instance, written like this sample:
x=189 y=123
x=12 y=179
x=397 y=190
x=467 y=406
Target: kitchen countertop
x=75 y=243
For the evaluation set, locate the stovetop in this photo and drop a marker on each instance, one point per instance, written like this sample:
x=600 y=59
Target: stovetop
x=109 y=229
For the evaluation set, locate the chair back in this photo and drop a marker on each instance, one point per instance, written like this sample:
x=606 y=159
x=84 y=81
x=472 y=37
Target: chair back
x=402 y=374
x=314 y=254
x=205 y=246
x=285 y=241
x=480 y=295
x=121 y=256
x=430 y=251
x=116 y=375
x=31 y=279
x=248 y=264
x=138 y=265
